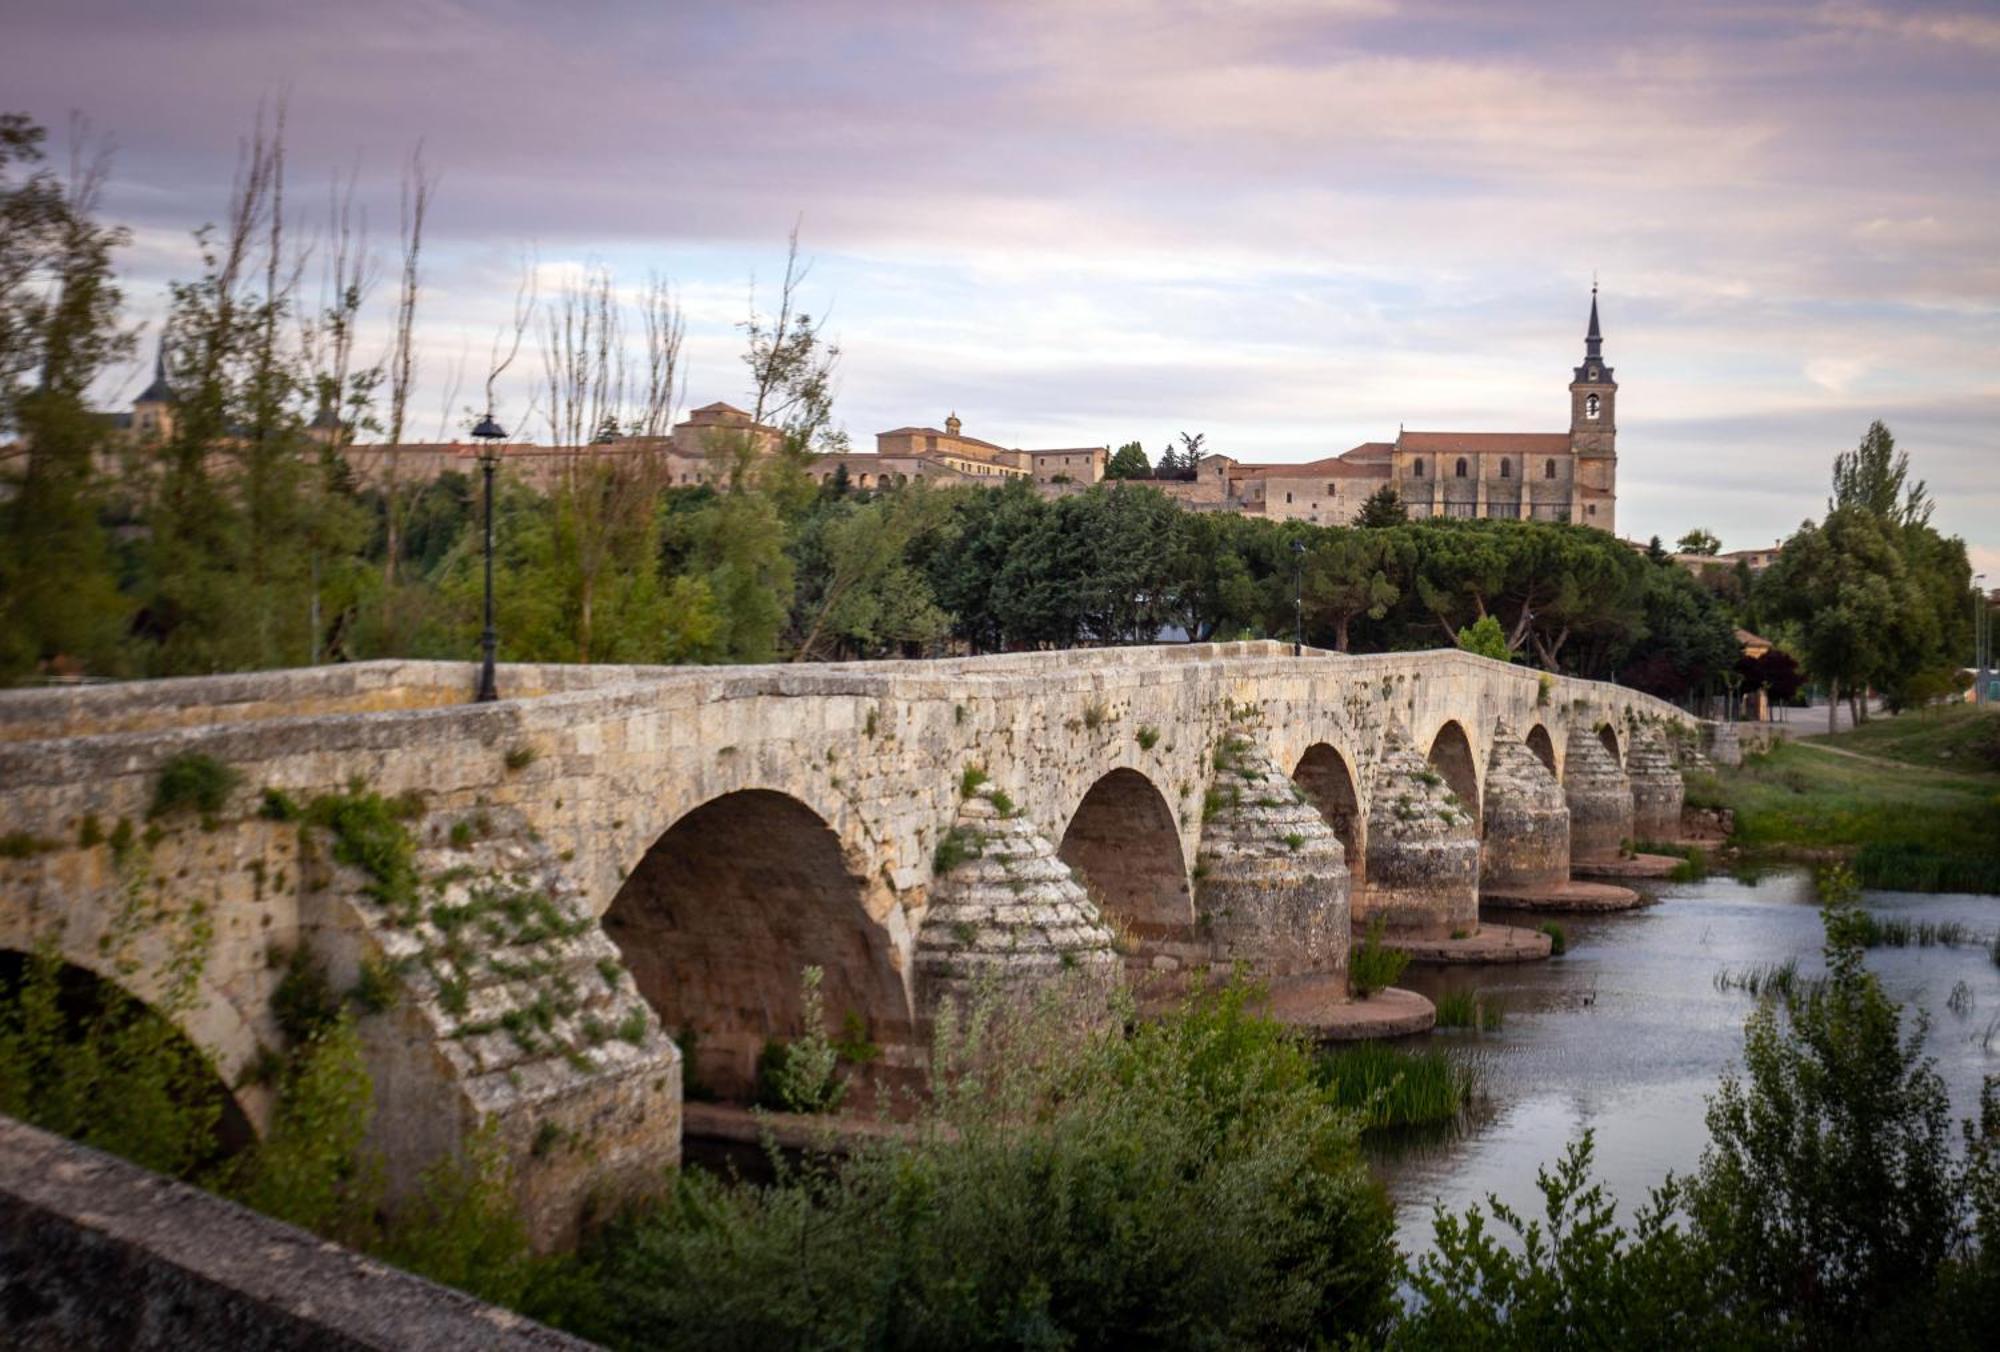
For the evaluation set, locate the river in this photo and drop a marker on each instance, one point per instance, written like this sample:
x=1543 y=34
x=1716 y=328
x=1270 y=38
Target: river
x=1627 y=1034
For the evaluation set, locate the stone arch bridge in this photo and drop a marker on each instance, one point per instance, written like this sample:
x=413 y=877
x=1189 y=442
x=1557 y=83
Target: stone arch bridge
x=612 y=860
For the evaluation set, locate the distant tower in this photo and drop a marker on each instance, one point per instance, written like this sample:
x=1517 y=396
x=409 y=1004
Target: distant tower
x=1593 y=432
x=153 y=410
x=952 y=424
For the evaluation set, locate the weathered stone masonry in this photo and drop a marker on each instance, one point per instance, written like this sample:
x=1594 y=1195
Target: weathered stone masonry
x=728 y=826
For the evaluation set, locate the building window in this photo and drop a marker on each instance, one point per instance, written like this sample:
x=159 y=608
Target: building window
x=1331 y=490
x=1590 y=407
x=1461 y=467
x=1288 y=497
x=1417 y=469
x=1592 y=509
x=1549 y=470
x=1506 y=469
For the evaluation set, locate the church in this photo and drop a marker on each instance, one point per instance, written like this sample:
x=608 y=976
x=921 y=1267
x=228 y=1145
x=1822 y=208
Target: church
x=1543 y=476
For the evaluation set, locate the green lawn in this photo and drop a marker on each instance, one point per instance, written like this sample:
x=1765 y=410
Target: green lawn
x=1923 y=814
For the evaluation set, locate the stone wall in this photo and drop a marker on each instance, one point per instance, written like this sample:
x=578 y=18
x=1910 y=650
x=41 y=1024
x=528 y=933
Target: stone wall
x=96 y=1253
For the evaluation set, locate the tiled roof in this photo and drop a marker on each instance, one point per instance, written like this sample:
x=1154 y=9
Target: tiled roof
x=1496 y=443
x=1332 y=467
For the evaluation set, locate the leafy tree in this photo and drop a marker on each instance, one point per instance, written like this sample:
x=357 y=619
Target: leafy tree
x=858 y=589
x=1829 y=1193
x=1485 y=638
x=1572 y=1277
x=1129 y=462
x=59 y=599
x=1383 y=508
x=1874 y=477
x=1698 y=541
x=1347 y=575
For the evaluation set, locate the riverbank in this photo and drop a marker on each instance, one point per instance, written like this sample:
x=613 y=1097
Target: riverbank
x=1912 y=802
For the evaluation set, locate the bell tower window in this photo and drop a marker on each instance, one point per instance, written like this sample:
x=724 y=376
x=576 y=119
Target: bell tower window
x=1591 y=404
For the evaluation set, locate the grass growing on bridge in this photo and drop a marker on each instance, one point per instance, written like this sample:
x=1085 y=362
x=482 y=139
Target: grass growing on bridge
x=1910 y=800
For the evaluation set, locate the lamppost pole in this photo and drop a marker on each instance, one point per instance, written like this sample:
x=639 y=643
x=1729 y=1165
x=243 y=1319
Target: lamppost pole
x=489 y=434
x=1299 y=598
x=1982 y=638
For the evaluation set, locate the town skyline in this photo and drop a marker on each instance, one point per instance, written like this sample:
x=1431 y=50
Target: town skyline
x=1790 y=212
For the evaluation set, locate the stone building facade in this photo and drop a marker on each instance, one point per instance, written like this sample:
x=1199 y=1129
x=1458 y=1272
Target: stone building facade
x=1543 y=476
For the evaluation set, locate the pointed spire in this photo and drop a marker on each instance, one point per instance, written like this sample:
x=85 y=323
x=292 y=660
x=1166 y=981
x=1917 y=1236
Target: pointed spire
x=1593 y=341
x=159 y=392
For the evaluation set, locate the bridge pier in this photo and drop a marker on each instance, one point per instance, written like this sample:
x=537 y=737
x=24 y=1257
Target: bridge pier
x=1599 y=798
x=1527 y=821
x=1272 y=880
x=1657 y=790
x=1010 y=919
x=1422 y=871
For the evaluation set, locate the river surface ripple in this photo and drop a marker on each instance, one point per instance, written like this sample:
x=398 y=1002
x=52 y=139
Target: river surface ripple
x=1627 y=1035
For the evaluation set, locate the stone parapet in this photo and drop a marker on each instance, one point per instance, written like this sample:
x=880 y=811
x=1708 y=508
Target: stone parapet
x=1422 y=870
x=1271 y=880
x=1599 y=798
x=1527 y=821
x=96 y=1253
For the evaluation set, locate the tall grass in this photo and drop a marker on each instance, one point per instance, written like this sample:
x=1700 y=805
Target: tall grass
x=1397 y=1087
x=1779 y=979
x=1468 y=1009
x=1898 y=932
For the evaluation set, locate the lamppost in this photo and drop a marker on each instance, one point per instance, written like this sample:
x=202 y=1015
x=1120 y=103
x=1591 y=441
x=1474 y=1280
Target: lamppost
x=490 y=435
x=1299 y=598
x=1982 y=638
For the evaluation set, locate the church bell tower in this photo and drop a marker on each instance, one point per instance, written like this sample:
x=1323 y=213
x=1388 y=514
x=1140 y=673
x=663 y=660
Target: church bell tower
x=1593 y=431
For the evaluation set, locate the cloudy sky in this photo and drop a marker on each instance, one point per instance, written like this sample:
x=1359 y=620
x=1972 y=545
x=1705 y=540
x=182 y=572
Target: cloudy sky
x=1288 y=224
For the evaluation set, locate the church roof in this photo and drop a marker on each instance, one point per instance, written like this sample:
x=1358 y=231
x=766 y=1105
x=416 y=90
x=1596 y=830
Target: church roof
x=1331 y=467
x=1491 y=443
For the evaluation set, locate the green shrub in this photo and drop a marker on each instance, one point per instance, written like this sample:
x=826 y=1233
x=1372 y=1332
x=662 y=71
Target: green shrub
x=955 y=847
x=25 y=845
x=304 y=1002
x=969 y=781
x=1558 y=938
x=519 y=757
x=1148 y=737
x=377 y=987
x=799 y=1076
x=369 y=834
x=278 y=806
x=1192 y=1184
x=1371 y=966
x=193 y=781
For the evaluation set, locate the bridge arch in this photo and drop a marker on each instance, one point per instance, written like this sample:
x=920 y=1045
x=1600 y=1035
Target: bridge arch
x=86 y=997
x=1543 y=746
x=1451 y=756
x=1327 y=779
x=725 y=910
x=1608 y=734
x=1125 y=846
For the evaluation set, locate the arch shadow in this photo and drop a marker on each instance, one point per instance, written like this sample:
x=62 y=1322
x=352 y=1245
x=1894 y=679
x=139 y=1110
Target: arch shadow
x=1543 y=746
x=98 y=1017
x=1451 y=756
x=1123 y=842
x=1608 y=735
x=1328 y=782
x=724 y=912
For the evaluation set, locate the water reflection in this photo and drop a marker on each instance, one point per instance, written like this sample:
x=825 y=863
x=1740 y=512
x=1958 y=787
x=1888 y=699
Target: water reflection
x=1627 y=1035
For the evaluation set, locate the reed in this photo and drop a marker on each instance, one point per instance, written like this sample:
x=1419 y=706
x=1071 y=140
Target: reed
x=1395 y=1087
